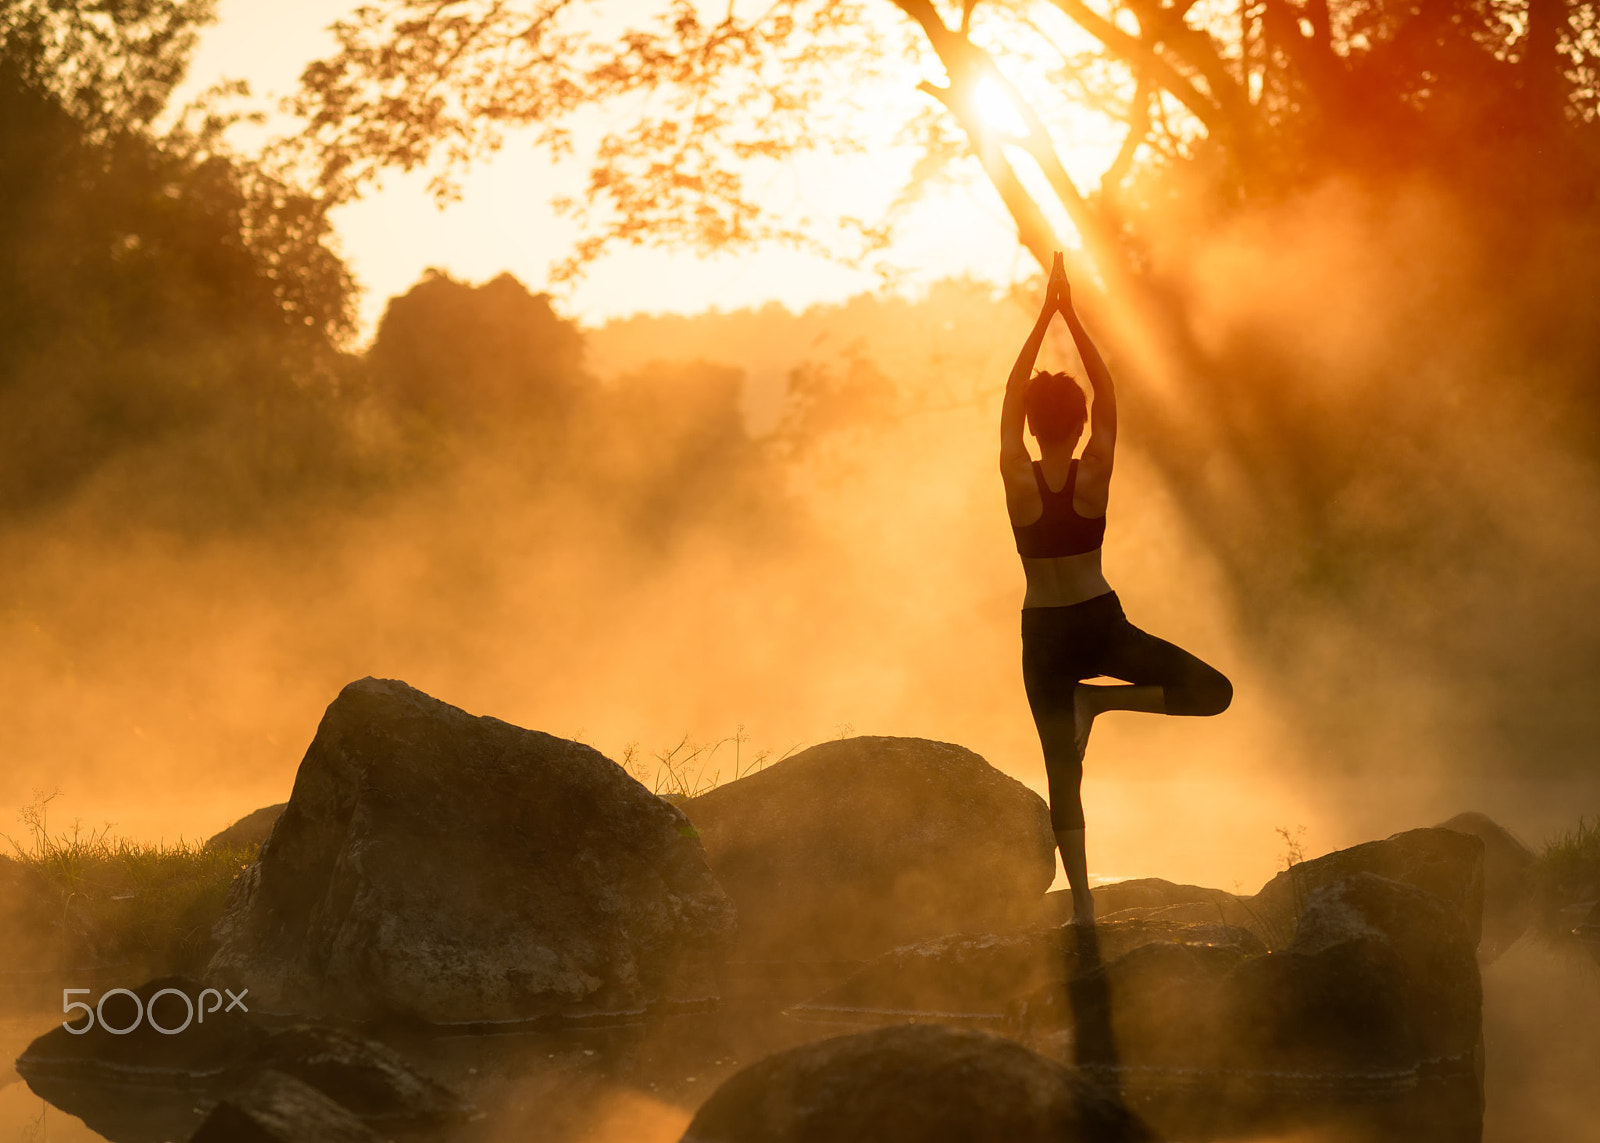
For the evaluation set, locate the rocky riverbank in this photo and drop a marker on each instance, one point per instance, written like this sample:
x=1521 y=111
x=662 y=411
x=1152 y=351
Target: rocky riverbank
x=452 y=916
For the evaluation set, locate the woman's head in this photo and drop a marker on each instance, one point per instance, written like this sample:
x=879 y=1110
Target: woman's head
x=1055 y=407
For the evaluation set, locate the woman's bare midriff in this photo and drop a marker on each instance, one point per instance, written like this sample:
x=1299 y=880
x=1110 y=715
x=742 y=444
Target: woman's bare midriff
x=1061 y=581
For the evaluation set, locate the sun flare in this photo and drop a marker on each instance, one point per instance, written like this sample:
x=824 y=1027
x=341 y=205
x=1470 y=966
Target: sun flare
x=997 y=109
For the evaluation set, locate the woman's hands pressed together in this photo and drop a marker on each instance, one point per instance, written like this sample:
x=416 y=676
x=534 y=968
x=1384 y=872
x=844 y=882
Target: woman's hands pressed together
x=1058 y=292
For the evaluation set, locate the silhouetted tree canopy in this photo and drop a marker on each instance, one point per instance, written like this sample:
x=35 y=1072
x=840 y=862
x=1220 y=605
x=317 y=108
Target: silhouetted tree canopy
x=467 y=355
x=1247 y=101
x=154 y=287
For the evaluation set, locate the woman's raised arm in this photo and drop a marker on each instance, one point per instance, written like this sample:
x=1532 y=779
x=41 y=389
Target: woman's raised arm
x=1014 y=459
x=1094 y=467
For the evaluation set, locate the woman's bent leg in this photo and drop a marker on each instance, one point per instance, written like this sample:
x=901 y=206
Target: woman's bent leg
x=1188 y=685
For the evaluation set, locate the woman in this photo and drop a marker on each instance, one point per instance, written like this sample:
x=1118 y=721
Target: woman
x=1072 y=623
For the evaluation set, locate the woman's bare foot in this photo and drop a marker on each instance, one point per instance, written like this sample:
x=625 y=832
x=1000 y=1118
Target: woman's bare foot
x=1083 y=911
x=1074 y=860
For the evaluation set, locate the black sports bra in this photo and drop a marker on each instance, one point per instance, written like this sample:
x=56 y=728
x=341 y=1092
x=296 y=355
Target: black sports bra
x=1059 y=530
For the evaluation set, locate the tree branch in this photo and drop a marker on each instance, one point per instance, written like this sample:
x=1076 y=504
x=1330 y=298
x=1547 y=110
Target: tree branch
x=1140 y=55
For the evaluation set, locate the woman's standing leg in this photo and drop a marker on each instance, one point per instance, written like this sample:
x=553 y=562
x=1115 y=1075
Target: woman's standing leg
x=1048 y=674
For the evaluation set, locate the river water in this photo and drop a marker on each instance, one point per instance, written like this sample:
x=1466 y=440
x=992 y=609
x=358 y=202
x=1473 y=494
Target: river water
x=1542 y=1079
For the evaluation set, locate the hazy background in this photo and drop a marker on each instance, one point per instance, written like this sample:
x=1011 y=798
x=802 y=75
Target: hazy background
x=224 y=494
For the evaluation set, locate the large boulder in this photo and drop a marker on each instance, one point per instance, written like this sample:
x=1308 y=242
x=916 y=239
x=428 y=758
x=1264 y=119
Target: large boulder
x=913 y=1084
x=1381 y=976
x=1444 y=862
x=1508 y=891
x=249 y=832
x=448 y=868
x=852 y=847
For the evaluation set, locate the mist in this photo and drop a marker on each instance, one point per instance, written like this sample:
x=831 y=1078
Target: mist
x=782 y=528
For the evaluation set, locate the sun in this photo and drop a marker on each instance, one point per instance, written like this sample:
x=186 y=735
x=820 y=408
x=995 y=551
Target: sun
x=997 y=109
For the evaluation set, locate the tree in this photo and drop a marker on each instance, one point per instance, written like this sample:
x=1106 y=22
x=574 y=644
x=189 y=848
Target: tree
x=159 y=294
x=1253 y=100
x=476 y=356
x=1321 y=486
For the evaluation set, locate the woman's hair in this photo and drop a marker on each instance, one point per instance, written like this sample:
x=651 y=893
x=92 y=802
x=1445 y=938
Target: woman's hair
x=1055 y=406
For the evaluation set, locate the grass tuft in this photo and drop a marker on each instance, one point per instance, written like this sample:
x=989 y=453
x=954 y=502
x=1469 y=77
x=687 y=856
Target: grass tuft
x=689 y=769
x=130 y=902
x=1566 y=878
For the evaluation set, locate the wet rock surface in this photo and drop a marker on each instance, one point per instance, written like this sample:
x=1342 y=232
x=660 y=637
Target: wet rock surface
x=913 y=1084
x=362 y=1075
x=207 y=1046
x=225 y=1052
x=853 y=847
x=448 y=868
x=987 y=976
x=273 y=1107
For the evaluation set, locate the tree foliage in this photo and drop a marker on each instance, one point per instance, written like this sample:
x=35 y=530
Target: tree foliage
x=1329 y=448
x=154 y=287
x=1253 y=100
x=417 y=83
x=476 y=356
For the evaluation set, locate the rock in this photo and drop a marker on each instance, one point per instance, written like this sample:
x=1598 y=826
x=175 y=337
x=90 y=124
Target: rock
x=361 y=1075
x=1184 y=903
x=1154 y=893
x=1508 y=893
x=964 y=975
x=278 y=1108
x=856 y=846
x=211 y=1044
x=250 y=831
x=1381 y=976
x=1164 y=1004
x=226 y=1049
x=913 y=1084
x=436 y=866
x=1442 y=862
x=1000 y=975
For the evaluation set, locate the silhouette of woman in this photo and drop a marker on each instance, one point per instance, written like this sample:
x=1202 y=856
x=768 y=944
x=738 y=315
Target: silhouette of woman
x=1073 y=627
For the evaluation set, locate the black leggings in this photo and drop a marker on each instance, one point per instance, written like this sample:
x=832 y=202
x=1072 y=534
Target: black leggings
x=1063 y=645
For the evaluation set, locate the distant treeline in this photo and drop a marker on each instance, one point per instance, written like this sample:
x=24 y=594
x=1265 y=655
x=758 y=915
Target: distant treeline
x=175 y=328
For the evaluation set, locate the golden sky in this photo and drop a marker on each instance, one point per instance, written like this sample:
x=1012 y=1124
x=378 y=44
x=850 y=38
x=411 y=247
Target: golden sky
x=503 y=221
